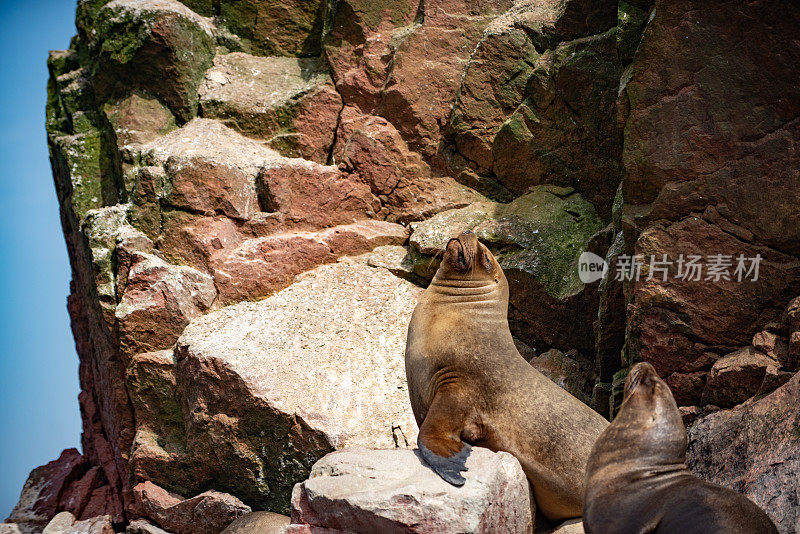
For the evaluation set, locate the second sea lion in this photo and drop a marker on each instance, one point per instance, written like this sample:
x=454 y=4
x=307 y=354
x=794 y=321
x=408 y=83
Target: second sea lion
x=637 y=481
x=470 y=386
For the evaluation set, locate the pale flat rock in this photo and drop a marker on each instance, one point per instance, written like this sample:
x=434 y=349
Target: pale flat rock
x=64 y=523
x=573 y=526
x=277 y=384
x=143 y=8
x=140 y=526
x=257 y=84
x=259 y=523
x=213 y=142
x=60 y=524
x=9 y=528
x=329 y=348
x=392 y=491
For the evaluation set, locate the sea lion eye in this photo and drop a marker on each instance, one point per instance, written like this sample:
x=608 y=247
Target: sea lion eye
x=487 y=263
x=462 y=261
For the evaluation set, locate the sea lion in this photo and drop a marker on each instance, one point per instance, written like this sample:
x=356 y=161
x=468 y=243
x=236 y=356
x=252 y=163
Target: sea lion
x=258 y=523
x=637 y=480
x=469 y=385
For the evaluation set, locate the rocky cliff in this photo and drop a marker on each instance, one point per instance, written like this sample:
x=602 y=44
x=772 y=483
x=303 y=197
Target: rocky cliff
x=253 y=193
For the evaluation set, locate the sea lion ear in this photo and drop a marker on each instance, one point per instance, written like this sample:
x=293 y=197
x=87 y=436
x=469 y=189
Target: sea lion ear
x=449 y=469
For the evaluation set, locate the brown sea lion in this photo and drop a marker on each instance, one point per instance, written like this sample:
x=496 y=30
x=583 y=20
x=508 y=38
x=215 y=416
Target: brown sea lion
x=470 y=386
x=258 y=523
x=637 y=480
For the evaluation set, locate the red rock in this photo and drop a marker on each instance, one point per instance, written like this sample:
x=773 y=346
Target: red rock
x=671 y=322
x=159 y=301
x=313 y=196
x=736 y=377
x=80 y=492
x=207 y=513
x=288 y=101
x=405 y=184
x=315 y=124
x=408 y=73
x=101 y=503
x=687 y=388
x=754 y=449
x=358 y=47
x=196 y=239
x=259 y=267
x=708 y=170
x=39 y=500
x=209 y=187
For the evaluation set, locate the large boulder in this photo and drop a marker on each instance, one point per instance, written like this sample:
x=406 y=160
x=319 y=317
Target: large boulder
x=565 y=131
x=708 y=171
x=274 y=27
x=755 y=450
x=362 y=491
x=289 y=102
x=537 y=239
x=407 y=187
x=249 y=409
x=159 y=46
x=39 y=501
x=208 y=513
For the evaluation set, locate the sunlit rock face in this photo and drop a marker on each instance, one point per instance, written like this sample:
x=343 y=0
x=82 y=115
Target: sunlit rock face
x=253 y=195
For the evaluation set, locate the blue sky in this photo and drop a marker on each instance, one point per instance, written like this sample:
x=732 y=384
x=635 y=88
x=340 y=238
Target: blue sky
x=39 y=413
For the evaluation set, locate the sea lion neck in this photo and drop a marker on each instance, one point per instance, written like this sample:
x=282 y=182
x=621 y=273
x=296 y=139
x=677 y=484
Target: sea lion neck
x=483 y=293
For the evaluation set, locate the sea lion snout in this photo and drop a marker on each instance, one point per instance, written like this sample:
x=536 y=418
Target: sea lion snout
x=464 y=253
x=640 y=374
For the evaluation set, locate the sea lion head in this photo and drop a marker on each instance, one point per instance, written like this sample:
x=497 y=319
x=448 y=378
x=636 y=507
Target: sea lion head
x=650 y=413
x=466 y=258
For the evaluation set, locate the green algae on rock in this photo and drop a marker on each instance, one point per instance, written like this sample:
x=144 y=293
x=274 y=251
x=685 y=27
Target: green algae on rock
x=542 y=233
x=134 y=43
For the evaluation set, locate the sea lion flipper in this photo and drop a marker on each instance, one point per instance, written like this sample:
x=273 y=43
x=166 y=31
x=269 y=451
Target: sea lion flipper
x=448 y=468
x=440 y=436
